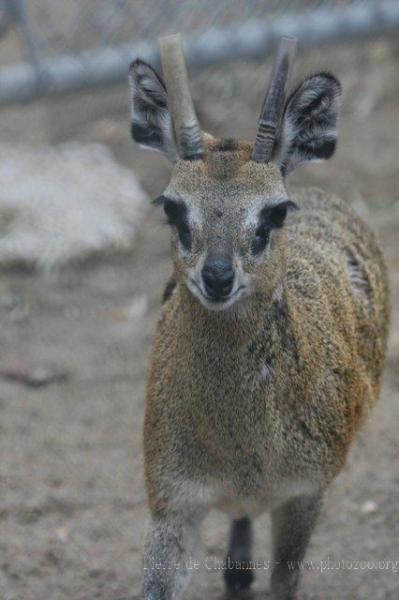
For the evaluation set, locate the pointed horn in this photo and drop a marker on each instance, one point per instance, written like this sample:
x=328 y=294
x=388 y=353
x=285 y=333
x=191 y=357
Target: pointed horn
x=186 y=127
x=273 y=105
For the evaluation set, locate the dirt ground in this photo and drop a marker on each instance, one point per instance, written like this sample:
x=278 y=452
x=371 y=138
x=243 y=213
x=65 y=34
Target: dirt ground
x=72 y=501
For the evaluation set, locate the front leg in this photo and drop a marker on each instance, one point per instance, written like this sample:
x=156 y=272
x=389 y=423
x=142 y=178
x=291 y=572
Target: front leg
x=292 y=527
x=170 y=549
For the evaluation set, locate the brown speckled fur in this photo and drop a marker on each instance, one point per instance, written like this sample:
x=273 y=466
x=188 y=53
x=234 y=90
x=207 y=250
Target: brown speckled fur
x=271 y=342
x=207 y=414
x=218 y=434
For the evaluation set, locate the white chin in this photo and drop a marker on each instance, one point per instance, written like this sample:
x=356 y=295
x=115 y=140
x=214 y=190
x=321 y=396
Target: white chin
x=216 y=306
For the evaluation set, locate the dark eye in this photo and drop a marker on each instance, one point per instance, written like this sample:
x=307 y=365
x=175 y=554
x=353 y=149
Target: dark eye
x=176 y=213
x=277 y=214
x=184 y=236
x=270 y=218
x=260 y=240
x=174 y=210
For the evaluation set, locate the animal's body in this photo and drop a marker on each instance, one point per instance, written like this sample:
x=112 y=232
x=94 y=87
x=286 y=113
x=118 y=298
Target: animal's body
x=273 y=407
x=253 y=406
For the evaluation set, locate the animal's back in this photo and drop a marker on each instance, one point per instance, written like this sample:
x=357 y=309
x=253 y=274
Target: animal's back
x=338 y=279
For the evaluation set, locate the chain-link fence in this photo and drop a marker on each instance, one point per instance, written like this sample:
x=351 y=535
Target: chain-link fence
x=75 y=45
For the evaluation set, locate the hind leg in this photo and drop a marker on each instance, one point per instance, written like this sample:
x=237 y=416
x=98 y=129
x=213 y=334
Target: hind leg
x=238 y=574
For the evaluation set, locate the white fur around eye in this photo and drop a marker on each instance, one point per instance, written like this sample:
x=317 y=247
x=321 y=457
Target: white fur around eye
x=194 y=216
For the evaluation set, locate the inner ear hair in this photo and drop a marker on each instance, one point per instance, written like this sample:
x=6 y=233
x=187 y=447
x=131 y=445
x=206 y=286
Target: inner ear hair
x=151 y=124
x=309 y=125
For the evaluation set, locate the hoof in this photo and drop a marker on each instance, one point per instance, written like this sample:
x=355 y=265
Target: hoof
x=238 y=579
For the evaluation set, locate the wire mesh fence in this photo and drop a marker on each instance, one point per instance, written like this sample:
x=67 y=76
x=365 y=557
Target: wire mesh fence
x=74 y=45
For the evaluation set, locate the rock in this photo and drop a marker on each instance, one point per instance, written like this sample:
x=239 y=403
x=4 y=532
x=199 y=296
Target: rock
x=65 y=203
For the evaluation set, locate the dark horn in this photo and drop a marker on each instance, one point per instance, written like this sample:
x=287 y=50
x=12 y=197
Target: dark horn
x=273 y=105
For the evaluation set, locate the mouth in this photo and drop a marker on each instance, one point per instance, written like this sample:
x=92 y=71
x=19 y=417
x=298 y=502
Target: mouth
x=217 y=303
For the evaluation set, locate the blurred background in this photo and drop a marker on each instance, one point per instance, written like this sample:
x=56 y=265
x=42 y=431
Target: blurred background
x=84 y=258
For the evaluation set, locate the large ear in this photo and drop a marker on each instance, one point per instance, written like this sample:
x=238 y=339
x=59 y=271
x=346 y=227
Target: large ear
x=309 y=125
x=151 y=123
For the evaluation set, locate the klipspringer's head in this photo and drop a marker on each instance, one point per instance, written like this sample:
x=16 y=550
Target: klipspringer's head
x=226 y=201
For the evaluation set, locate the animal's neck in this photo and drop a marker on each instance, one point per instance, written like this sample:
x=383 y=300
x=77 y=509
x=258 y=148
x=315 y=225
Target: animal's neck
x=235 y=326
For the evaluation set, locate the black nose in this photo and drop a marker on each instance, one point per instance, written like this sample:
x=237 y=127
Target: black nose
x=218 y=276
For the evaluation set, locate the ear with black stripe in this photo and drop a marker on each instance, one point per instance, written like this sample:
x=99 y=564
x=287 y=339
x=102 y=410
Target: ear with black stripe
x=151 y=123
x=309 y=124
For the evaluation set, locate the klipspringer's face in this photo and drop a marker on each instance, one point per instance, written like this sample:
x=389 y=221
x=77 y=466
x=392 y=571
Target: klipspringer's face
x=226 y=214
x=226 y=202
